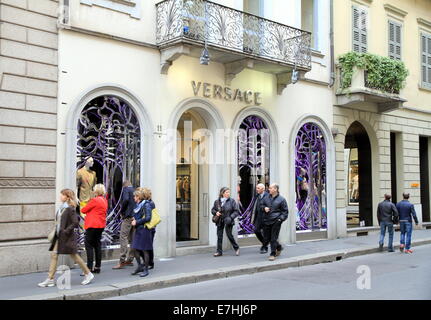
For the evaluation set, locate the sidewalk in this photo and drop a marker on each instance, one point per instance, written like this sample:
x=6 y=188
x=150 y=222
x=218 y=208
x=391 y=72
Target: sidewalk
x=197 y=268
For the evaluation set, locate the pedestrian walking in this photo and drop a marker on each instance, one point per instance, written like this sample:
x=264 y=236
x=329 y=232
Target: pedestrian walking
x=64 y=238
x=126 y=230
x=94 y=224
x=387 y=215
x=257 y=216
x=406 y=211
x=276 y=211
x=226 y=209
x=143 y=238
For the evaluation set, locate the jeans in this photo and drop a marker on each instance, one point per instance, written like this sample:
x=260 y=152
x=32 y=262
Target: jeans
x=229 y=236
x=390 y=226
x=406 y=229
x=126 y=237
x=271 y=236
x=93 y=245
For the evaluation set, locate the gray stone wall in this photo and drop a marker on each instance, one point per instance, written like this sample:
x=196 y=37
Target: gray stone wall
x=28 y=118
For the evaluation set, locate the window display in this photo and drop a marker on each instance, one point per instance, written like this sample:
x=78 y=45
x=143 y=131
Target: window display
x=253 y=167
x=310 y=163
x=108 y=143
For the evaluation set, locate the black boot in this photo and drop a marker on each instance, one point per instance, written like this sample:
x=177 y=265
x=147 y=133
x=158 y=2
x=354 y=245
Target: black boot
x=144 y=272
x=139 y=269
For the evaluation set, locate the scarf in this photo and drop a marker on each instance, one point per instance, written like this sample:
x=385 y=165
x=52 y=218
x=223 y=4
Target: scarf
x=139 y=206
x=58 y=216
x=223 y=201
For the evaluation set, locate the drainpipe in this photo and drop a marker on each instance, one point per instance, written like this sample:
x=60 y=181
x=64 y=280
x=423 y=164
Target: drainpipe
x=331 y=39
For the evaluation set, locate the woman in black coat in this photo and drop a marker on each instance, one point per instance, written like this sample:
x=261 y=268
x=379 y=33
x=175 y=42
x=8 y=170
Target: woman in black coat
x=227 y=210
x=64 y=238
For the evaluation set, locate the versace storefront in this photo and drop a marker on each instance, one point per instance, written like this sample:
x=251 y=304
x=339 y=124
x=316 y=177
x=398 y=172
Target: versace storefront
x=187 y=117
x=186 y=151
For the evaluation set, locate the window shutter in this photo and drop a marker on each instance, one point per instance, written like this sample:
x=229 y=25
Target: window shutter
x=394 y=40
x=426 y=60
x=359 y=29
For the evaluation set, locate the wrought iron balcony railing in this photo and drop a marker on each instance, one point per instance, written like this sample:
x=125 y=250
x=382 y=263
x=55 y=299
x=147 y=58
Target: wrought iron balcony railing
x=201 y=21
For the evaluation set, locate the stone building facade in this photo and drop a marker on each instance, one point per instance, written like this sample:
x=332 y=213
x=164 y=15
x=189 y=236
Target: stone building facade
x=28 y=122
x=396 y=128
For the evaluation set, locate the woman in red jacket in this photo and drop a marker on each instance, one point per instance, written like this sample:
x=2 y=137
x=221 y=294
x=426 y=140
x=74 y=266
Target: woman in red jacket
x=95 y=223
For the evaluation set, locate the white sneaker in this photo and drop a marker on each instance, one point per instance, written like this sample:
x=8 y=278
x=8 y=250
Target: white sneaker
x=47 y=283
x=88 y=278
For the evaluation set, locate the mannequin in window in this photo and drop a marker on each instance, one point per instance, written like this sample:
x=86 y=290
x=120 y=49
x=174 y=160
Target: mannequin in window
x=354 y=185
x=178 y=185
x=186 y=188
x=85 y=180
x=302 y=187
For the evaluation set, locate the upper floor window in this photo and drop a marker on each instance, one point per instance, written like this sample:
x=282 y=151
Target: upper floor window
x=394 y=40
x=131 y=7
x=307 y=19
x=359 y=29
x=426 y=59
x=253 y=7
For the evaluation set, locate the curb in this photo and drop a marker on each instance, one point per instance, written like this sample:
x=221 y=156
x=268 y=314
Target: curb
x=121 y=289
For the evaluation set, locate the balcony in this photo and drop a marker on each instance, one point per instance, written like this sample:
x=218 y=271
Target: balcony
x=234 y=38
x=383 y=95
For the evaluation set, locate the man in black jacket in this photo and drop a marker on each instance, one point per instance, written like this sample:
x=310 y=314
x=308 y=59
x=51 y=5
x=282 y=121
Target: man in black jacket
x=126 y=231
x=387 y=215
x=257 y=216
x=275 y=208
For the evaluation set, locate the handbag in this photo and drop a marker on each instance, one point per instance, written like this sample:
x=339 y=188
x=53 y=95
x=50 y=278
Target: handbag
x=216 y=218
x=51 y=235
x=155 y=219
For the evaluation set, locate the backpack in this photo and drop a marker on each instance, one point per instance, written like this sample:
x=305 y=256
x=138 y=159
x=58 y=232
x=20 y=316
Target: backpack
x=155 y=219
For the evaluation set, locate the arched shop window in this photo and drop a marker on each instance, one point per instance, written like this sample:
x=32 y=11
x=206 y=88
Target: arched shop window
x=109 y=133
x=253 y=167
x=310 y=172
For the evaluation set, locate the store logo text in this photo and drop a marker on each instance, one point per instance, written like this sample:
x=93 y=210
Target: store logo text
x=215 y=91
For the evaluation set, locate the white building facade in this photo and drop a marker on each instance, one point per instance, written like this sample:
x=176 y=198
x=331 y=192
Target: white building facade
x=136 y=94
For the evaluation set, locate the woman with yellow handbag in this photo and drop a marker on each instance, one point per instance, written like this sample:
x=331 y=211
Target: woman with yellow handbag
x=143 y=239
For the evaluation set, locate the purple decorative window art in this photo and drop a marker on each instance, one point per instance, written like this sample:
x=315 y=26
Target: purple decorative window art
x=253 y=167
x=109 y=132
x=310 y=171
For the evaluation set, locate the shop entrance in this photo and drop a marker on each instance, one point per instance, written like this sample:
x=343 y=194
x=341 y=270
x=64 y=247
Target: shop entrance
x=357 y=152
x=192 y=177
x=424 y=177
x=253 y=150
x=108 y=152
x=310 y=172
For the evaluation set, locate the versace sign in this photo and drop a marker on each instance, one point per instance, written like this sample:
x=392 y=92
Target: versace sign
x=208 y=90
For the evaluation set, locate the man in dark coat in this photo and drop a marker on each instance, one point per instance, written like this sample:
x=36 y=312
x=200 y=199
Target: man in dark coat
x=276 y=211
x=387 y=214
x=406 y=211
x=257 y=216
x=126 y=231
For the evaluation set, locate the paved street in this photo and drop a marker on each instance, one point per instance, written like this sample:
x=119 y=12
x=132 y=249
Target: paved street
x=23 y=286
x=393 y=276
